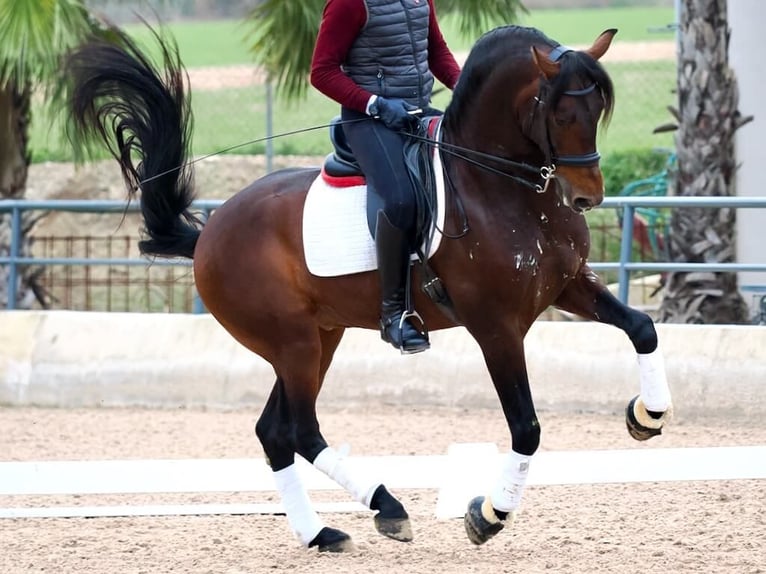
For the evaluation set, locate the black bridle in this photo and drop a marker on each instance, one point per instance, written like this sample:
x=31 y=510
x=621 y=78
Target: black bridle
x=473 y=157
x=580 y=160
x=546 y=172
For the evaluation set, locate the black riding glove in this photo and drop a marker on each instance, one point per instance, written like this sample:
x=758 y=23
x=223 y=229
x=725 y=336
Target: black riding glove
x=393 y=112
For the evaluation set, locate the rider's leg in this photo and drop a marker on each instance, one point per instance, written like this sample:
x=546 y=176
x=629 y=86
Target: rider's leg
x=393 y=250
x=379 y=152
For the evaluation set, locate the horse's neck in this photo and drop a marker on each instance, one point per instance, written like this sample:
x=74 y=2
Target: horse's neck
x=493 y=123
x=503 y=185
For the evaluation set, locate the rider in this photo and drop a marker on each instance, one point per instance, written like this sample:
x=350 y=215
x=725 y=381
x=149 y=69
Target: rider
x=379 y=58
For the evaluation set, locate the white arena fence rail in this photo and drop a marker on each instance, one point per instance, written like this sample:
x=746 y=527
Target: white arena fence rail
x=624 y=266
x=466 y=470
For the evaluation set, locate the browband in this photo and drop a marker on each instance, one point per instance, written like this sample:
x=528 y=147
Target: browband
x=558 y=51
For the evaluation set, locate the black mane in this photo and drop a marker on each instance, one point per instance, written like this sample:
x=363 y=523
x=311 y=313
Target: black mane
x=513 y=43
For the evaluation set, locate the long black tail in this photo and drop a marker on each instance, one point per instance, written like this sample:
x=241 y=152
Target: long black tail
x=117 y=95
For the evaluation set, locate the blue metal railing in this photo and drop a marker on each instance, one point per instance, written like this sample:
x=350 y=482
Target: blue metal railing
x=14 y=259
x=629 y=204
x=623 y=267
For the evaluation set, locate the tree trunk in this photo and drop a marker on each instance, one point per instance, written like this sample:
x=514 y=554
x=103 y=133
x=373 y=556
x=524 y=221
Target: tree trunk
x=707 y=120
x=14 y=166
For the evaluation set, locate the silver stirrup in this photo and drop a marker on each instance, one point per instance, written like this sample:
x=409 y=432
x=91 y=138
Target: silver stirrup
x=406 y=315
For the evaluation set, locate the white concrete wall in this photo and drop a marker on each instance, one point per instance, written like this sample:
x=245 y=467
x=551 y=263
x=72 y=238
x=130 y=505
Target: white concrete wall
x=746 y=20
x=71 y=359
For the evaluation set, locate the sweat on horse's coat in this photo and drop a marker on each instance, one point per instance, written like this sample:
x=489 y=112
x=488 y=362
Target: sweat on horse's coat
x=515 y=241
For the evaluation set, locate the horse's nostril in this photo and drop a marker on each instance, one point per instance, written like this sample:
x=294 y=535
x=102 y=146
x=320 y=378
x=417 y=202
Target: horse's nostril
x=582 y=204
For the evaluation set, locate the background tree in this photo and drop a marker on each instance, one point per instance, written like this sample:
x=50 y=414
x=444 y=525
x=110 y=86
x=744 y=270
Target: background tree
x=33 y=36
x=283 y=34
x=707 y=118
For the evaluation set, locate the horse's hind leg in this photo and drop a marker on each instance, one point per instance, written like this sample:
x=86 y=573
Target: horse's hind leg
x=274 y=432
x=391 y=519
x=288 y=425
x=648 y=412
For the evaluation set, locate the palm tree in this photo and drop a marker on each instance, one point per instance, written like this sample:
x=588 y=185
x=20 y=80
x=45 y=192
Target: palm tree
x=35 y=33
x=283 y=34
x=707 y=118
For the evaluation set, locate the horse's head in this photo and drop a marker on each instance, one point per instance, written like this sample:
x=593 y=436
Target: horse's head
x=574 y=94
x=525 y=101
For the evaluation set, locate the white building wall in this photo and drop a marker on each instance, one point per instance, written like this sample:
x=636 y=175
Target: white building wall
x=747 y=19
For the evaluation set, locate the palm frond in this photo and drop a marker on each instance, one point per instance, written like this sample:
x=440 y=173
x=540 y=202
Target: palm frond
x=283 y=41
x=477 y=16
x=35 y=33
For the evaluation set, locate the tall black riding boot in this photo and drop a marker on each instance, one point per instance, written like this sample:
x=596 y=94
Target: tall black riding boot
x=392 y=247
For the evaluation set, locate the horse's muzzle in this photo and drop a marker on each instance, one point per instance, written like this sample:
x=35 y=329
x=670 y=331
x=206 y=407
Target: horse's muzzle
x=582 y=204
x=582 y=189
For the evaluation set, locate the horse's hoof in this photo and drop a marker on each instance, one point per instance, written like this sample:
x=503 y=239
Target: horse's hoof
x=643 y=424
x=478 y=526
x=391 y=520
x=397 y=528
x=332 y=540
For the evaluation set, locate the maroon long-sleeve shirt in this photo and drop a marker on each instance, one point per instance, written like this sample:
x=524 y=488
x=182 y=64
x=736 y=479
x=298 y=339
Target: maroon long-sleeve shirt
x=342 y=20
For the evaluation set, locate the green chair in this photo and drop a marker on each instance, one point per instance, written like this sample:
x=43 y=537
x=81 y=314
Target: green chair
x=651 y=225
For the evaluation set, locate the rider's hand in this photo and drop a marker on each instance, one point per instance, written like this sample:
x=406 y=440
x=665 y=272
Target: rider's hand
x=394 y=113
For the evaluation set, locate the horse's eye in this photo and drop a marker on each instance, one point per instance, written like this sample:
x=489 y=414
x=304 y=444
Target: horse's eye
x=563 y=119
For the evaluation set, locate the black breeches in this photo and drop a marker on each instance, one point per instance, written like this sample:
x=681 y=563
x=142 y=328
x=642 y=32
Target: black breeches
x=380 y=153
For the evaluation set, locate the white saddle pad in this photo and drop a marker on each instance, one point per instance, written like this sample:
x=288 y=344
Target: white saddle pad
x=336 y=239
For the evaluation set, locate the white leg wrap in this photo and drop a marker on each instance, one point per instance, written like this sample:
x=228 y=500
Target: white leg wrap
x=506 y=495
x=303 y=519
x=655 y=393
x=346 y=474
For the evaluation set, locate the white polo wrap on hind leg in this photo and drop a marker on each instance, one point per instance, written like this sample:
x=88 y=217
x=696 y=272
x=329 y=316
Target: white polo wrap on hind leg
x=303 y=519
x=506 y=495
x=655 y=393
x=347 y=474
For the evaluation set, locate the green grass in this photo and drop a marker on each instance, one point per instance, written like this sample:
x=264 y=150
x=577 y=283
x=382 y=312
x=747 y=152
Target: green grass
x=643 y=92
x=581 y=26
x=231 y=117
x=213 y=43
x=224 y=42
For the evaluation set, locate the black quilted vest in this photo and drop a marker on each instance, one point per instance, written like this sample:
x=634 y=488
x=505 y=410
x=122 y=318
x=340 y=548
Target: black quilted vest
x=390 y=56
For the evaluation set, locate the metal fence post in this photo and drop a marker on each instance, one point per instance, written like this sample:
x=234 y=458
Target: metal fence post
x=198 y=307
x=626 y=252
x=13 y=270
x=269 y=128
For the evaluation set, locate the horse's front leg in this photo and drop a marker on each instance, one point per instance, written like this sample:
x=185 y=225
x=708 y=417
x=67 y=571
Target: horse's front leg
x=587 y=297
x=504 y=355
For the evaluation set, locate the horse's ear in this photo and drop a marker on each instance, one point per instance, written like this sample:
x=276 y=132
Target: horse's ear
x=602 y=43
x=549 y=68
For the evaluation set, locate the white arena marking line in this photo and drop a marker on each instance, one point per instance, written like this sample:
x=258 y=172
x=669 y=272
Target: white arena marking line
x=467 y=470
x=196 y=475
x=168 y=510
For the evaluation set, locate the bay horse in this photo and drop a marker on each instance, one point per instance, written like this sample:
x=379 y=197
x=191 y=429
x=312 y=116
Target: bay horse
x=523 y=101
